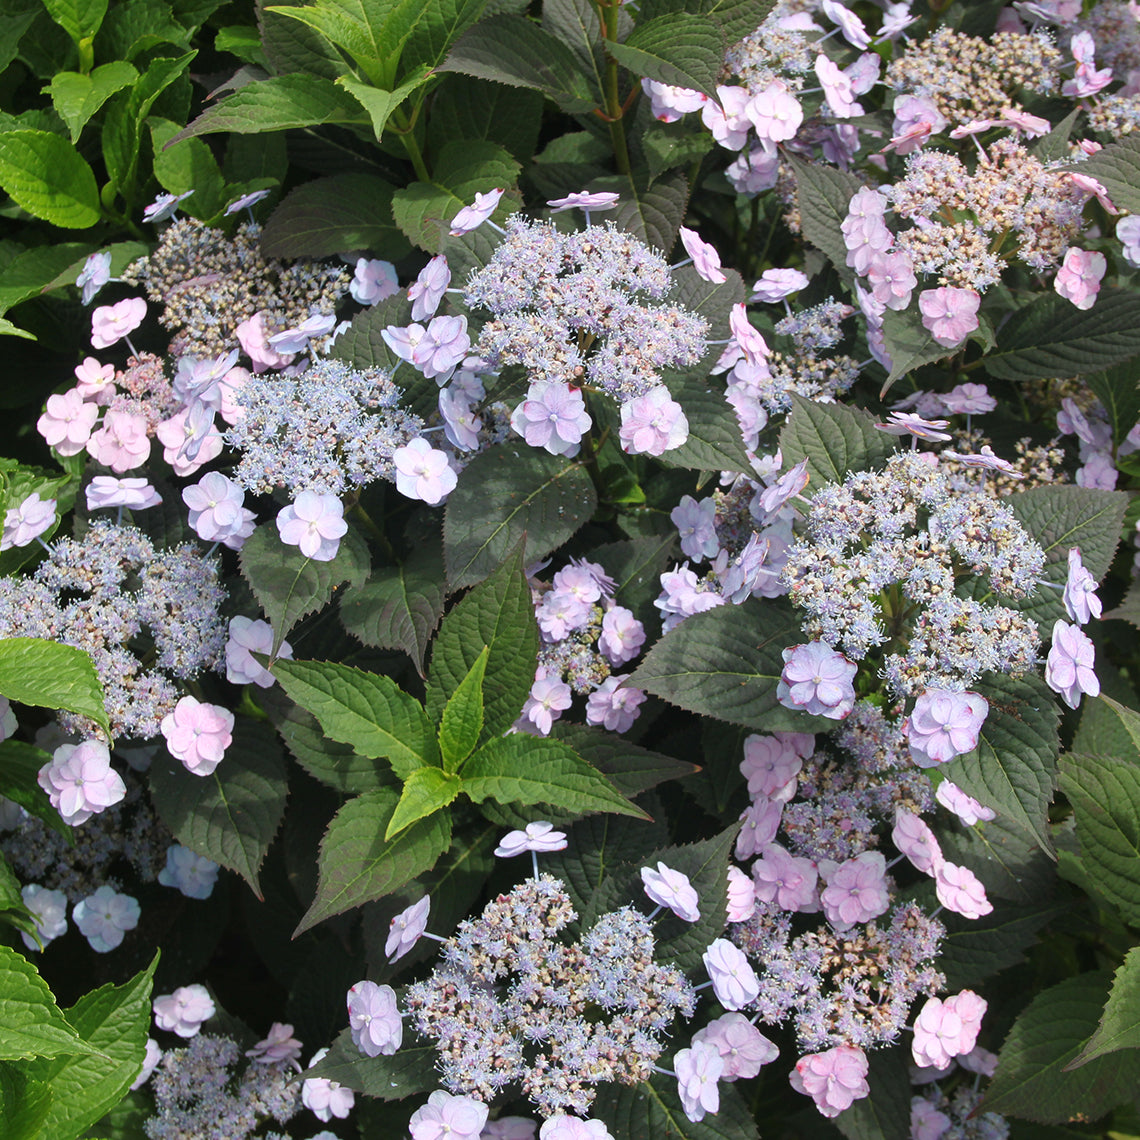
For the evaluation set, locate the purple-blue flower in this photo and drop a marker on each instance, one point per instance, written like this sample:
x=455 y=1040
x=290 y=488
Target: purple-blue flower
x=315 y=523
x=553 y=416
x=817 y=679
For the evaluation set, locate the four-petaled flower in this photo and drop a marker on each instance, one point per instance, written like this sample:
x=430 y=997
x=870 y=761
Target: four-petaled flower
x=944 y=724
x=198 y=734
x=538 y=836
x=834 y=1079
x=672 y=889
x=315 y=523
x=406 y=928
x=1069 y=668
x=817 y=679
x=422 y=472
x=183 y=1011
x=374 y=1019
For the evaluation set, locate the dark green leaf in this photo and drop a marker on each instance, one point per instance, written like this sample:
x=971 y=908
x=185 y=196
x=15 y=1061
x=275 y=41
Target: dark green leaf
x=885 y=1114
x=498 y=613
x=909 y=344
x=232 y=815
x=462 y=720
x=978 y=948
x=1013 y=769
x=367 y=710
x=399 y=606
x=187 y=165
x=24 y=1102
x=277 y=104
x=1052 y=337
x=380 y=102
x=1119 y=1026
x=514 y=51
x=823 y=194
x=725 y=663
x=651 y=213
x=357 y=865
x=504 y=494
x=1105 y=794
x=679 y=49
x=835 y=439
x=443 y=22
x=1107 y=728
x=410 y=1071
x=19 y=766
x=335 y=214
x=1117 y=167
x=1119 y=393
x=738 y=18
x=1031 y=1079
x=631 y=768
x=477 y=110
x=290 y=586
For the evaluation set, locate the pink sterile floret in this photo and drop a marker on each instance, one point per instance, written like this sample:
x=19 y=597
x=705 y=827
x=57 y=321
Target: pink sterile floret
x=198 y=734
x=817 y=679
x=761 y=822
x=549 y=698
x=121 y=442
x=473 y=216
x=539 y=836
x=743 y=1048
x=1069 y=668
x=698 y=1070
x=622 y=636
x=315 y=523
x=80 y=781
x=25 y=523
x=706 y=260
x=67 y=422
x=406 y=929
x=834 y=1079
x=614 y=705
x=913 y=837
x=247 y=637
x=944 y=724
x=741 y=895
x=949 y=314
x=110 y=323
x=448 y=1117
x=947 y=1029
x=561 y=1127
x=856 y=890
x=785 y=879
x=959 y=890
x=926 y=1122
x=183 y=1011
x=776 y=284
x=374 y=1019
x=373 y=281
x=1078 y=279
x=428 y=289
x=324 y=1098
x=279 y=1047
x=423 y=473
x=771 y=767
x=734 y=981
x=1081 y=602
x=553 y=416
x=671 y=889
x=653 y=424
x=964 y=806
x=106 y=491
x=104 y=918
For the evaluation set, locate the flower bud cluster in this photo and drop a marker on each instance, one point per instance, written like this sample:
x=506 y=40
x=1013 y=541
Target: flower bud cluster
x=511 y=1004
x=885 y=562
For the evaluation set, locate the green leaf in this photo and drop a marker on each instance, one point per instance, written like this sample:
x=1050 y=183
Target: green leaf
x=715 y=442
x=357 y=865
x=1031 y=1079
x=974 y=949
x=9 y=329
x=31 y=272
x=399 y=606
x=726 y=663
x=514 y=51
x=1055 y=145
x=80 y=19
x=426 y=791
x=1006 y=857
x=1117 y=167
x=379 y=102
x=497 y=613
x=1108 y=728
x=77 y=97
x=25 y=1103
x=232 y=815
x=51 y=675
x=477 y=110
x=31 y=1024
x=333 y=215
x=636 y=566
x=48 y=177
x=823 y=195
x=1119 y=392
x=1013 y=769
x=424 y=210
x=367 y=710
x=1129 y=608
x=187 y=165
x=290 y=586
x=1051 y=337
x=630 y=768
x=410 y=1071
x=19 y=765
x=651 y=213
x=114 y=1021
x=137 y=27
x=462 y=720
x=909 y=344
x=1105 y=794
x=835 y=439
x=737 y=18
x=523 y=769
x=506 y=493
x=669 y=145
x=1062 y=517
x=653 y=1109
x=679 y=49
x=443 y=22
x=1119 y=1026
x=282 y=103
